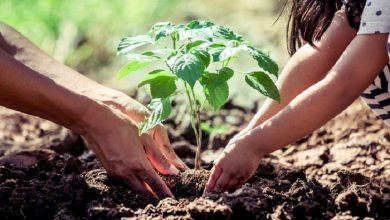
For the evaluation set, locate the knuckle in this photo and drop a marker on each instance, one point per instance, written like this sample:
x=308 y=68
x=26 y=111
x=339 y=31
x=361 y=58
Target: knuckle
x=112 y=168
x=117 y=173
x=138 y=167
x=143 y=174
x=163 y=160
x=126 y=167
x=146 y=138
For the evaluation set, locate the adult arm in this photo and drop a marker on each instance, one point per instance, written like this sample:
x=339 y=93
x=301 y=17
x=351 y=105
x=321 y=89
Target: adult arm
x=34 y=83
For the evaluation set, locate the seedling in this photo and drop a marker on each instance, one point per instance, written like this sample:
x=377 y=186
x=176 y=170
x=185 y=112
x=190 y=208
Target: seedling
x=187 y=62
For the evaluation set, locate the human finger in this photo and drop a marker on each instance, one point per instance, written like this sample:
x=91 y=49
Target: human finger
x=138 y=185
x=157 y=159
x=161 y=137
x=241 y=182
x=215 y=173
x=222 y=182
x=232 y=185
x=155 y=182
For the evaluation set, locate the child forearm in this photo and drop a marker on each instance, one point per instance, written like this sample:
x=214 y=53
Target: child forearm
x=324 y=100
x=305 y=68
x=308 y=66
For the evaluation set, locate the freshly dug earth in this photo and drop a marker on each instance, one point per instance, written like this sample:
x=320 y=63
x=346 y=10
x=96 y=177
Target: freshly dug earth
x=341 y=171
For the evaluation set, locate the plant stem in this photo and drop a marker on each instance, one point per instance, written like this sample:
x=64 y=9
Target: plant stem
x=194 y=115
x=192 y=112
x=174 y=43
x=199 y=136
x=225 y=64
x=195 y=122
x=195 y=126
x=199 y=142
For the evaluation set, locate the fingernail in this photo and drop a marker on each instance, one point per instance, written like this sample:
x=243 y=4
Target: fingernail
x=174 y=170
x=168 y=195
x=180 y=163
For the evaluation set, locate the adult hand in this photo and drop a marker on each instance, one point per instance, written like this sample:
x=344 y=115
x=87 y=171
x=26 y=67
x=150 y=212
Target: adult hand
x=235 y=165
x=35 y=83
x=112 y=134
x=137 y=113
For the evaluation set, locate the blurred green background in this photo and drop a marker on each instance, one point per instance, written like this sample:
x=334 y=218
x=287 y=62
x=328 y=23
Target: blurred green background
x=84 y=34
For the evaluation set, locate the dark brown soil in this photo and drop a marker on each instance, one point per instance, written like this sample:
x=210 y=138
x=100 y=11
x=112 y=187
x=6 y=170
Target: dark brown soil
x=341 y=171
x=189 y=184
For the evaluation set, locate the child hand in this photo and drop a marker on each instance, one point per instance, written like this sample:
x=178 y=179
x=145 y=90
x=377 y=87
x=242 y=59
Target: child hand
x=235 y=165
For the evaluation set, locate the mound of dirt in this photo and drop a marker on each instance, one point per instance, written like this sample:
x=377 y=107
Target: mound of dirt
x=189 y=184
x=341 y=171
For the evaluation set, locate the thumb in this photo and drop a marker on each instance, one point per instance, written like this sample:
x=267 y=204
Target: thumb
x=162 y=140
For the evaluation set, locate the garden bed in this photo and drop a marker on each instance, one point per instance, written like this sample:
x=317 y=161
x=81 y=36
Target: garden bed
x=341 y=171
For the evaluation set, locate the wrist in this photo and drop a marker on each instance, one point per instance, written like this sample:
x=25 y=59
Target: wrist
x=74 y=112
x=118 y=100
x=100 y=101
x=252 y=144
x=79 y=110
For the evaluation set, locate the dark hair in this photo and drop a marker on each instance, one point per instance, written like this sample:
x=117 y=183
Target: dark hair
x=309 y=19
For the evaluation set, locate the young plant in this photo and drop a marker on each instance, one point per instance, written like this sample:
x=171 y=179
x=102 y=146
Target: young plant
x=193 y=48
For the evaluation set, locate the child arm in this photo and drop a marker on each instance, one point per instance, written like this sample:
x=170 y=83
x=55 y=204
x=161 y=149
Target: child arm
x=355 y=70
x=308 y=66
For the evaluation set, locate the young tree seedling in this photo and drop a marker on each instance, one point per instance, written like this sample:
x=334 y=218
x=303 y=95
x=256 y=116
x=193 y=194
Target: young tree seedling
x=193 y=48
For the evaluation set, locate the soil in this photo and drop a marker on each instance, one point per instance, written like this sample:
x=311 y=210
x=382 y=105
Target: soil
x=341 y=171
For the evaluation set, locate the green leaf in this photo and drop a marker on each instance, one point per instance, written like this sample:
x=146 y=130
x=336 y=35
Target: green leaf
x=224 y=33
x=161 y=109
x=215 y=52
x=130 y=67
x=197 y=30
x=162 y=29
x=193 y=44
x=225 y=73
x=215 y=87
x=129 y=43
x=216 y=95
x=264 y=84
x=197 y=24
x=158 y=53
x=214 y=49
x=151 y=54
x=263 y=60
x=141 y=57
x=165 y=29
x=208 y=31
x=161 y=26
x=229 y=52
x=162 y=83
x=197 y=34
x=189 y=66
